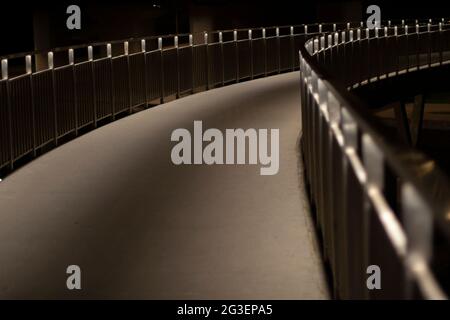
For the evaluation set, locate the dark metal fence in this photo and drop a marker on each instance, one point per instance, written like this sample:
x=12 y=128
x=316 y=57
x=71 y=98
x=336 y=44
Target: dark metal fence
x=376 y=203
x=350 y=166
x=84 y=85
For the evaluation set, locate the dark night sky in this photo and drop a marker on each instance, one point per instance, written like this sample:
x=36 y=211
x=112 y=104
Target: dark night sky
x=100 y=19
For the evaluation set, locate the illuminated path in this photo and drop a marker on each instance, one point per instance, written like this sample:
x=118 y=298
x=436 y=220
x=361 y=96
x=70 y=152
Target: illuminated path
x=112 y=202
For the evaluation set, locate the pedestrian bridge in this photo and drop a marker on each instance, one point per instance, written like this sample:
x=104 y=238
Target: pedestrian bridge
x=112 y=202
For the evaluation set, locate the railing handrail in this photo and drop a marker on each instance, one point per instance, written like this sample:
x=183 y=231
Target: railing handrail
x=398 y=156
x=408 y=164
x=171 y=36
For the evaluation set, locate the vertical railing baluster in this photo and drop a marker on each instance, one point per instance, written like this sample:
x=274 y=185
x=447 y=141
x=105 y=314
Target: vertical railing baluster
x=250 y=44
x=277 y=33
x=70 y=54
x=222 y=57
x=144 y=49
x=205 y=40
x=160 y=48
x=236 y=51
x=29 y=72
x=177 y=50
x=4 y=66
x=126 y=53
x=440 y=43
x=291 y=34
x=265 y=51
x=191 y=45
x=55 y=107
x=113 y=98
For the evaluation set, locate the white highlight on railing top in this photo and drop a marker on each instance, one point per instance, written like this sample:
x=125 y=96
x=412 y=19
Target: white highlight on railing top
x=160 y=44
x=91 y=53
x=108 y=50
x=28 y=65
x=4 y=69
x=71 y=57
x=50 y=60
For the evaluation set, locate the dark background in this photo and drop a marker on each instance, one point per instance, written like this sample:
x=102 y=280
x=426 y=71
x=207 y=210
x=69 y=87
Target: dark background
x=40 y=25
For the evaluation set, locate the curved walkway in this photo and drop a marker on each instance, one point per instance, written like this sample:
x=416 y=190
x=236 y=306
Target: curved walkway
x=112 y=202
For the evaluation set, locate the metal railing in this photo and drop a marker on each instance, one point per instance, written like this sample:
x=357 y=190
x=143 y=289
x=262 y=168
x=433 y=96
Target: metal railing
x=46 y=97
x=350 y=166
x=376 y=203
x=53 y=95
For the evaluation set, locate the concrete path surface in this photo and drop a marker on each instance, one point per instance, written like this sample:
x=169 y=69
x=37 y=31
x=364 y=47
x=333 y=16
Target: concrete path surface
x=140 y=227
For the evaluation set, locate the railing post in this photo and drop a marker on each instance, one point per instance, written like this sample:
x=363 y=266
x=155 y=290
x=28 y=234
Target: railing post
x=144 y=49
x=4 y=69
x=205 y=38
x=29 y=71
x=250 y=44
x=418 y=223
x=126 y=53
x=292 y=47
x=305 y=36
x=222 y=57
x=161 y=53
x=236 y=49
x=109 y=57
x=4 y=66
x=265 y=51
x=440 y=43
x=191 y=45
x=71 y=57
x=175 y=44
x=373 y=162
x=277 y=32
x=55 y=111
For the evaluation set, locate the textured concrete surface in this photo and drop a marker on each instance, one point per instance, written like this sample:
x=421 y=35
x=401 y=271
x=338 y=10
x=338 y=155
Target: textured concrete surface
x=139 y=227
